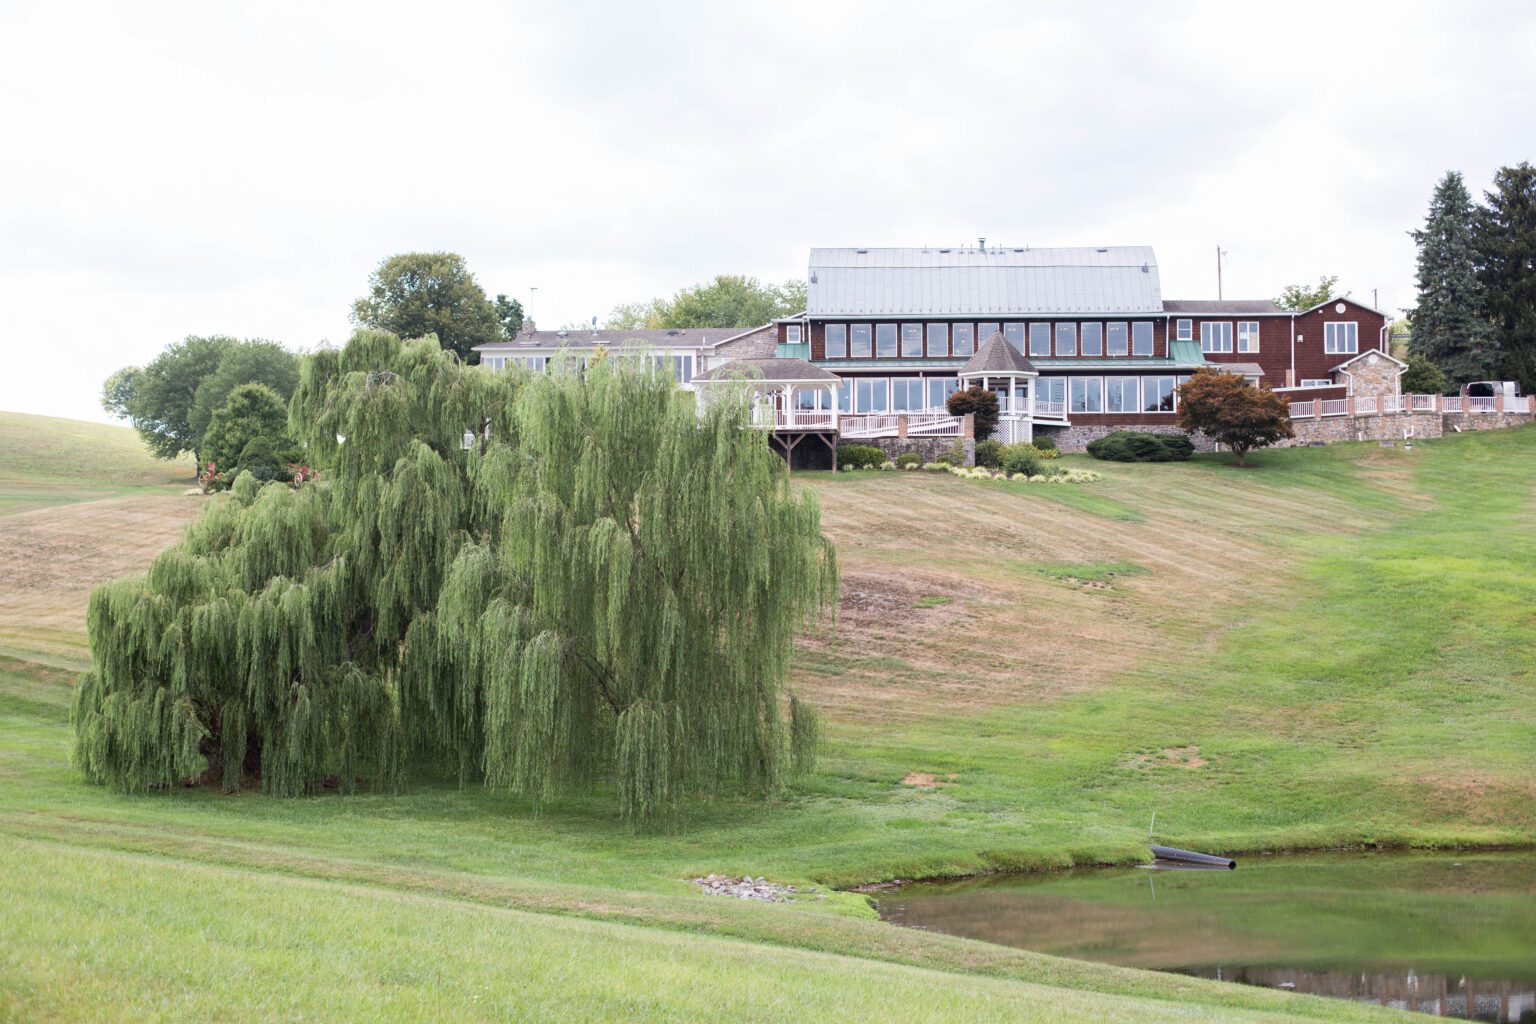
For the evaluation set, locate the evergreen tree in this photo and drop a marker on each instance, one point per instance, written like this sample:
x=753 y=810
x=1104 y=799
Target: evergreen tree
x=543 y=583
x=1506 y=241
x=1450 y=327
x=249 y=433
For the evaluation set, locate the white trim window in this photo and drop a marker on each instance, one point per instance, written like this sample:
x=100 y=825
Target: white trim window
x=1117 y=336
x=858 y=341
x=912 y=341
x=963 y=340
x=1247 y=335
x=1066 y=340
x=834 y=341
x=907 y=394
x=885 y=341
x=1092 y=336
x=873 y=394
x=1316 y=382
x=1013 y=334
x=1141 y=338
x=1087 y=394
x=1215 y=336
x=845 y=395
x=1040 y=340
x=1341 y=337
x=792 y=334
x=1183 y=330
x=1122 y=394
x=984 y=333
x=938 y=341
x=939 y=390
x=1157 y=394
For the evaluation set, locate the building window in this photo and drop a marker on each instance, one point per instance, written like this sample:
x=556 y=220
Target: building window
x=1341 y=338
x=1122 y=394
x=1247 y=335
x=1014 y=335
x=1093 y=339
x=1315 y=382
x=873 y=394
x=858 y=345
x=1087 y=394
x=845 y=396
x=938 y=340
x=906 y=394
x=939 y=390
x=964 y=339
x=1183 y=330
x=835 y=341
x=1215 y=336
x=1066 y=339
x=1050 y=394
x=1141 y=338
x=791 y=334
x=912 y=341
x=1116 y=336
x=984 y=333
x=682 y=368
x=1157 y=394
x=885 y=341
x=1040 y=340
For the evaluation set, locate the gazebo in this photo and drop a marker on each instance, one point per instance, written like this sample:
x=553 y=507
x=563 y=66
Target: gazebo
x=999 y=367
x=793 y=398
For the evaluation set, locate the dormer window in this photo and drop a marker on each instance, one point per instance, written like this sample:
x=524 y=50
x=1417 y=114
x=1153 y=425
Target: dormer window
x=1183 y=330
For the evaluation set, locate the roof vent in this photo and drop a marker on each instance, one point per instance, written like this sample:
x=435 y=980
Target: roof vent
x=946 y=250
x=861 y=250
x=1101 y=249
x=1144 y=269
x=673 y=334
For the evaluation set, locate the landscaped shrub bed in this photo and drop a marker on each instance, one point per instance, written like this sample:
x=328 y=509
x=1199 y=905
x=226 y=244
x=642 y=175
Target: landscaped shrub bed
x=860 y=456
x=1139 y=446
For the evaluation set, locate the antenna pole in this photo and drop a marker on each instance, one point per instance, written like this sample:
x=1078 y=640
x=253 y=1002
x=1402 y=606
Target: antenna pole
x=1220 y=252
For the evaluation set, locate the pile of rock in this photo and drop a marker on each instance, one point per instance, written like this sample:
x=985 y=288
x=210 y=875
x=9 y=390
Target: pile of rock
x=746 y=888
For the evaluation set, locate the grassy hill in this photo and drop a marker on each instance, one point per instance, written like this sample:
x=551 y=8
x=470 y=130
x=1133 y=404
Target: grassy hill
x=1332 y=648
x=48 y=461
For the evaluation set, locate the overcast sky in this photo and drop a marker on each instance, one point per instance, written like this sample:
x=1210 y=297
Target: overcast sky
x=239 y=168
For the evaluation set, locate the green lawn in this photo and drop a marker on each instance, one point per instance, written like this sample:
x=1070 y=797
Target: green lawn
x=46 y=461
x=1334 y=647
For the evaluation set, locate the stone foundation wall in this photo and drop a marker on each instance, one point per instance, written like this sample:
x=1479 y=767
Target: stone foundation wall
x=1075 y=439
x=1390 y=427
x=927 y=448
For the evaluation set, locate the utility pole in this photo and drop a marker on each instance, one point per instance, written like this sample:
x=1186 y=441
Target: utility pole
x=1220 y=253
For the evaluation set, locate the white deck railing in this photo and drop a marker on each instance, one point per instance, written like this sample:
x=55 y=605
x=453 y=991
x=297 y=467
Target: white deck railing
x=1387 y=404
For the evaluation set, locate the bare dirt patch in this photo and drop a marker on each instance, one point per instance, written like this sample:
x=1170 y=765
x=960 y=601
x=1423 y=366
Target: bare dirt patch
x=1171 y=757
x=51 y=558
x=927 y=780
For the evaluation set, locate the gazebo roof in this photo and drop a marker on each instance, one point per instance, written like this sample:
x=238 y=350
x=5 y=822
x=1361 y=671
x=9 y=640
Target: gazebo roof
x=997 y=358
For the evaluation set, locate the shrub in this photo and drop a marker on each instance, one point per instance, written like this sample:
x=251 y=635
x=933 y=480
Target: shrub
x=859 y=456
x=989 y=453
x=907 y=460
x=1139 y=446
x=935 y=467
x=955 y=456
x=1047 y=443
x=1020 y=458
x=1422 y=377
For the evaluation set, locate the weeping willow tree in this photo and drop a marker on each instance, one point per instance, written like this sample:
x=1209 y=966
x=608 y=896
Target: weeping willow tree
x=545 y=583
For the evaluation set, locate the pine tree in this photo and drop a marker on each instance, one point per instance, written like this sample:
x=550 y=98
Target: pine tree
x=1506 y=241
x=544 y=583
x=1450 y=325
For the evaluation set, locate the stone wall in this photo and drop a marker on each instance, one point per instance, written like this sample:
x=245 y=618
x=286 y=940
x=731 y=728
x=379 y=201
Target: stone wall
x=1484 y=420
x=760 y=344
x=1076 y=439
x=927 y=448
x=1364 y=428
x=1373 y=376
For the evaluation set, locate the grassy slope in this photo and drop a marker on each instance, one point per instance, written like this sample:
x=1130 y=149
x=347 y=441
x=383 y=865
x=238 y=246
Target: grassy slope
x=1333 y=648
x=48 y=461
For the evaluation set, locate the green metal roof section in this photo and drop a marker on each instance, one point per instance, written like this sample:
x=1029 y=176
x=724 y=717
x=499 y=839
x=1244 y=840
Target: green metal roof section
x=1186 y=352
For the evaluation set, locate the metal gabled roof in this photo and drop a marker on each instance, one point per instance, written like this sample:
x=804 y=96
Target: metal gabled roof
x=983 y=282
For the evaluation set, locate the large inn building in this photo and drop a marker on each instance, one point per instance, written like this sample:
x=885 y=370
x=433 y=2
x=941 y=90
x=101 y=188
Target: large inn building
x=1076 y=342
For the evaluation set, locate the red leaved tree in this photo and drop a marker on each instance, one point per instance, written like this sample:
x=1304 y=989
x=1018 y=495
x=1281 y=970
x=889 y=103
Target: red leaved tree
x=979 y=402
x=1226 y=407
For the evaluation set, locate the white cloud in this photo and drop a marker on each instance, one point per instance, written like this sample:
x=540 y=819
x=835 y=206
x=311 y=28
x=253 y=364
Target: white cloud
x=195 y=168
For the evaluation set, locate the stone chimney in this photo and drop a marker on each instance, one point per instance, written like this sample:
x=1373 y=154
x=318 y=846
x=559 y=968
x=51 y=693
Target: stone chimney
x=528 y=328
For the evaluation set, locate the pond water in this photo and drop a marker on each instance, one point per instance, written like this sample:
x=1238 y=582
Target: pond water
x=1449 y=934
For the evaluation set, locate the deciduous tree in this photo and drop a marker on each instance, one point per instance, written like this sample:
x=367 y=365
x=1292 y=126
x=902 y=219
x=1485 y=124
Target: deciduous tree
x=415 y=294
x=249 y=433
x=158 y=399
x=730 y=300
x=601 y=586
x=1224 y=406
x=244 y=362
x=979 y=403
x=1301 y=296
x=1450 y=325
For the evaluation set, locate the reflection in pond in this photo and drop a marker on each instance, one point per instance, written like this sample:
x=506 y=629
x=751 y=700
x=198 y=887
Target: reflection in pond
x=1448 y=934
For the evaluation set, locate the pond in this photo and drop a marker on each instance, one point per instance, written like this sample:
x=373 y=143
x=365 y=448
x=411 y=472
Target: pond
x=1450 y=934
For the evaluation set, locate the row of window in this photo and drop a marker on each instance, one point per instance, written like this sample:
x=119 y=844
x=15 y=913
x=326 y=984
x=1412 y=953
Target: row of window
x=935 y=341
x=1339 y=337
x=1053 y=394
x=680 y=366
